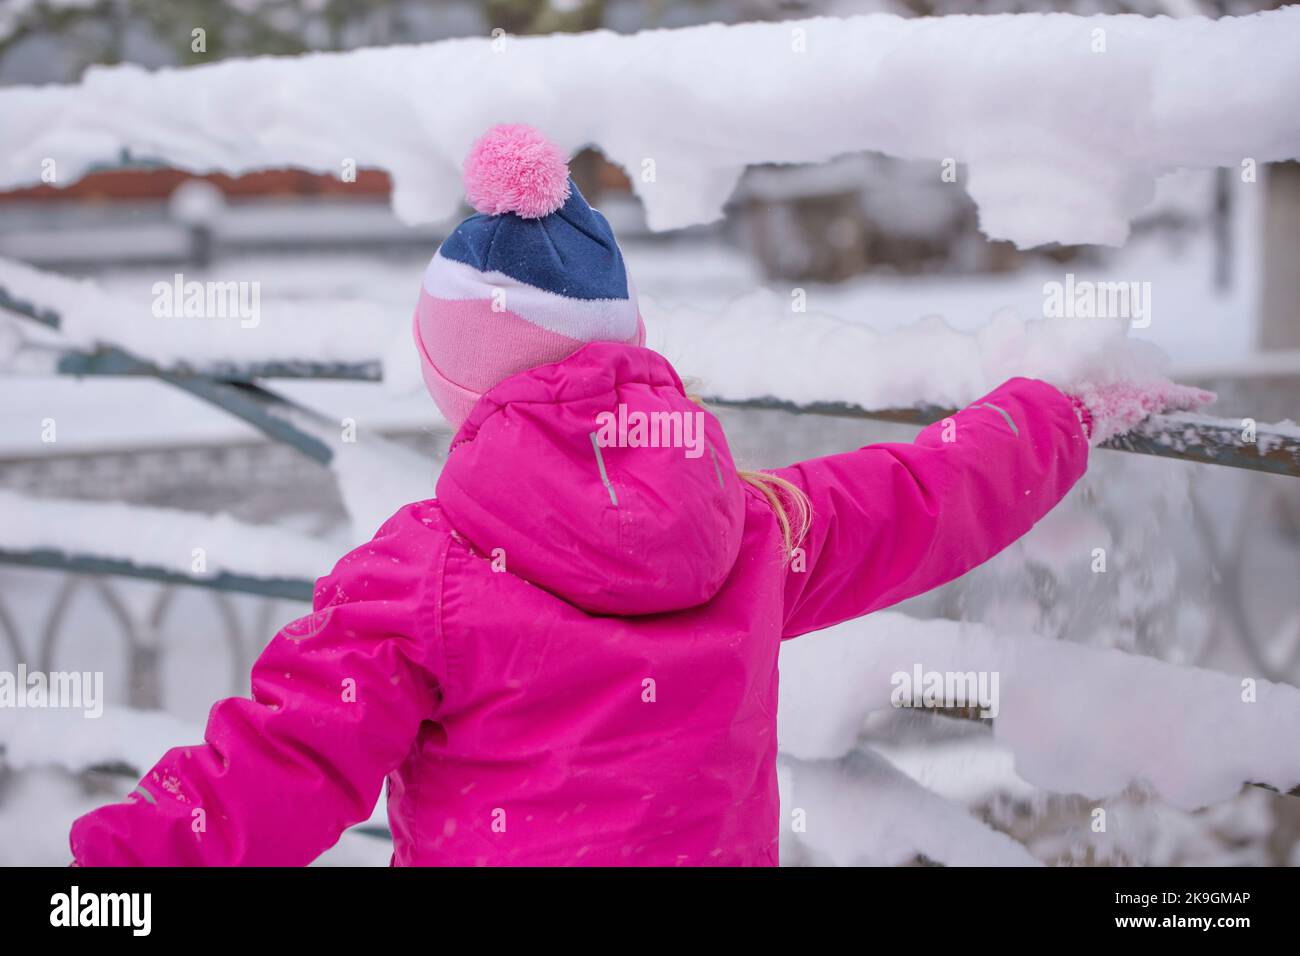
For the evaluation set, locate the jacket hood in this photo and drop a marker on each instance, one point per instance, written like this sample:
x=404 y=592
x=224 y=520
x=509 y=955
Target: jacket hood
x=600 y=481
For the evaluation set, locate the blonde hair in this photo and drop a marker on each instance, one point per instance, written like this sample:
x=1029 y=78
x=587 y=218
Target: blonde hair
x=787 y=500
x=783 y=497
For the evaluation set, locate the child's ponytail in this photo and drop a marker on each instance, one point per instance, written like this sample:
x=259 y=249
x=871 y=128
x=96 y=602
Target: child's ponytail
x=788 y=502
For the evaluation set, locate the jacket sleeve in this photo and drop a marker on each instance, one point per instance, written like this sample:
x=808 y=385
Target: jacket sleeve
x=891 y=521
x=337 y=700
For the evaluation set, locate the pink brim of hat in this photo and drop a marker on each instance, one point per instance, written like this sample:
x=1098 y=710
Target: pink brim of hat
x=478 y=346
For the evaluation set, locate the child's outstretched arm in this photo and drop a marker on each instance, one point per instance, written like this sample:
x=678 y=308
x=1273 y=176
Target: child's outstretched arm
x=891 y=521
x=338 y=698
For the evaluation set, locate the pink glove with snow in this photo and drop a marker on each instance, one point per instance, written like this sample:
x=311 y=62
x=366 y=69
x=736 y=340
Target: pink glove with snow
x=1109 y=410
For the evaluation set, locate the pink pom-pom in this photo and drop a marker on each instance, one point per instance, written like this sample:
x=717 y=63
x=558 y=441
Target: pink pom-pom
x=514 y=168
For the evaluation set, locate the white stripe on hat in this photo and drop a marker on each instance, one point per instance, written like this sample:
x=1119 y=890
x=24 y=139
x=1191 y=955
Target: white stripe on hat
x=587 y=320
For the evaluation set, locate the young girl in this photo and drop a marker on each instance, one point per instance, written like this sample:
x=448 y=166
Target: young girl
x=570 y=655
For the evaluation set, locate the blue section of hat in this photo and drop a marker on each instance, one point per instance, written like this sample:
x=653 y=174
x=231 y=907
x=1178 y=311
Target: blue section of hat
x=571 y=252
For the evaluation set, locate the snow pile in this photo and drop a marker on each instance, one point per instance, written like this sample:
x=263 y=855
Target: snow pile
x=867 y=813
x=1080 y=719
x=1063 y=123
x=317 y=330
x=64 y=738
x=733 y=352
x=161 y=538
x=757 y=346
x=375 y=478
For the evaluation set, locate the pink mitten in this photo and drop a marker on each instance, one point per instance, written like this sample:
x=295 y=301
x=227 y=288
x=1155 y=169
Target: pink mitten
x=1109 y=410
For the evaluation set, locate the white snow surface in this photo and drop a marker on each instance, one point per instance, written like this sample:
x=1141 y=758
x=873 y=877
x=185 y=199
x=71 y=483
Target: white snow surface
x=1062 y=124
x=319 y=329
x=64 y=738
x=758 y=346
x=1080 y=719
x=162 y=538
x=733 y=349
x=868 y=813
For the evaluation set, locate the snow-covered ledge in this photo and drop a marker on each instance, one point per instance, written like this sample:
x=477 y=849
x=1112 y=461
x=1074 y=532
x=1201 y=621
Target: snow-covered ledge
x=1057 y=125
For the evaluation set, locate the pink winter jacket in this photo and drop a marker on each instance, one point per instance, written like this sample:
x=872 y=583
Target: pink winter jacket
x=570 y=656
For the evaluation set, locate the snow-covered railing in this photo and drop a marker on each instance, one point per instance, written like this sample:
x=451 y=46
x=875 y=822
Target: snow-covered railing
x=1273 y=448
x=1062 y=123
x=1074 y=720
x=1060 y=705
x=160 y=544
x=101 y=324
x=380 y=474
x=229 y=379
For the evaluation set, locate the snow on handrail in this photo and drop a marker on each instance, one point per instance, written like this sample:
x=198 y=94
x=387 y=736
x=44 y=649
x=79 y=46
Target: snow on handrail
x=1117 y=102
x=290 y=589
x=106 y=326
x=160 y=544
x=227 y=381
x=375 y=476
x=1079 y=718
x=906 y=821
x=1272 y=448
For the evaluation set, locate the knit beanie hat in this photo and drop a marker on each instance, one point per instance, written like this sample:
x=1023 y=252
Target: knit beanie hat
x=529 y=280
